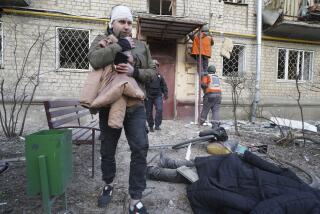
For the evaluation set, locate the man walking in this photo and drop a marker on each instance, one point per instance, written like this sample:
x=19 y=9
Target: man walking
x=119 y=31
x=155 y=89
x=210 y=84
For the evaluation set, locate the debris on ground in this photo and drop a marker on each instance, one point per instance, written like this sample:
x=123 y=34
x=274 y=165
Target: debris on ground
x=83 y=191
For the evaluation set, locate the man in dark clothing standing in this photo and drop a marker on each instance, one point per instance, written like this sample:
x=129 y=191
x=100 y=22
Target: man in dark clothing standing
x=119 y=32
x=155 y=89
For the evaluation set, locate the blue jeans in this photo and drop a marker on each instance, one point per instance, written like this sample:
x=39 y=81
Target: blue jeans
x=149 y=103
x=135 y=129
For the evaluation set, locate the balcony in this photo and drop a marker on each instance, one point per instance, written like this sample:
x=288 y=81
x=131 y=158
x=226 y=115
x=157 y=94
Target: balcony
x=294 y=19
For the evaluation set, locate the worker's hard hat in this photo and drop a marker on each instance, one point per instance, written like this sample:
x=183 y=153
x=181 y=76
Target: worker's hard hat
x=205 y=28
x=211 y=69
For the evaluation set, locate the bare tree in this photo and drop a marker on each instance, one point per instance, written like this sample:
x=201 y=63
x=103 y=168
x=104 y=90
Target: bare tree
x=17 y=91
x=237 y=81
x=298 y=99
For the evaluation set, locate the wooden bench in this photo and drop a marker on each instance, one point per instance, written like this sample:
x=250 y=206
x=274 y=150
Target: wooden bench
x=70 y=114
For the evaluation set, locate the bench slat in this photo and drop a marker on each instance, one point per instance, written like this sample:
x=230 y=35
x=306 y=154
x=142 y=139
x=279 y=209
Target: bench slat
x=62 y=112
x=61 y=103
x=68 y=119
x=79 y=134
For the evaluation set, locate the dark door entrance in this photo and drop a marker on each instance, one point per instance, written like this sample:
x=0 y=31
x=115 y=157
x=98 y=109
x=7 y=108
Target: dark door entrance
x=165 y=52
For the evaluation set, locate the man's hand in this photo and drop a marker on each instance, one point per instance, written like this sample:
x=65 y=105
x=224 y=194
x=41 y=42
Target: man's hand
x=165 y=96
x=124 y=68
x=130 y=40
x=126 y=43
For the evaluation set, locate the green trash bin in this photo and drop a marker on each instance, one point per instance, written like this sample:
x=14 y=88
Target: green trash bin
x=55 y=146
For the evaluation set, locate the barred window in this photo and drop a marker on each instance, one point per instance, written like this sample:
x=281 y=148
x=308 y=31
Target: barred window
x=235 y=64
x=73 y=48
x=1 y=45
x=294 y=62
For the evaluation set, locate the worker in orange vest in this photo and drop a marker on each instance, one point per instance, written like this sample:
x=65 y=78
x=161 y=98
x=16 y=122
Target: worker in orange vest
x=210 y=83
x=206 y=43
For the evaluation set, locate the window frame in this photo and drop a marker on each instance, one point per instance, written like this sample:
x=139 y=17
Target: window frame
x=160 y=8
x=232 y=2
x=285 y=79
x=57 y=54
x=244 y=59
x=2 y=44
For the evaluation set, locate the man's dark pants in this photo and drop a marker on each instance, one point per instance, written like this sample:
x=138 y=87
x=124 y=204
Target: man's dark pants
x=204 y=62
x=135 y=129
x=149 y=103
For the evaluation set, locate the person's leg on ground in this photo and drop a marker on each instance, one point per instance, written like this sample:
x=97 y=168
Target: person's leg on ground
x=134 y=126
x=149 y=112
x=109 y=140
x=162 y=174
x=158 y=117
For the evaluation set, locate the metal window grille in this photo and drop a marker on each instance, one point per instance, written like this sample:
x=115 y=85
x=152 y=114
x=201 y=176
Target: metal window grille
x=235 y=64
x=294 y=62
x=1 y=45
x=73 y=48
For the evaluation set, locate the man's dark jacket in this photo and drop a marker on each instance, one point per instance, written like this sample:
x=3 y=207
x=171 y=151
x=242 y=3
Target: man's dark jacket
x=156 y=87
x=231 y=184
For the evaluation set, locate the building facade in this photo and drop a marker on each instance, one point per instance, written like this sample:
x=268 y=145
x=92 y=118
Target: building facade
x=66 y=29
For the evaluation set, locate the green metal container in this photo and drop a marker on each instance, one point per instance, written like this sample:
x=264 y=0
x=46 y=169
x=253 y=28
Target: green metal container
x=56 y=146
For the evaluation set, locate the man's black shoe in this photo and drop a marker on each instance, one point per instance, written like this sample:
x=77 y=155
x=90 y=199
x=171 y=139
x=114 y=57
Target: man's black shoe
x=138 y=209
x=157 y=128
x=105 y=196
x=151 y=129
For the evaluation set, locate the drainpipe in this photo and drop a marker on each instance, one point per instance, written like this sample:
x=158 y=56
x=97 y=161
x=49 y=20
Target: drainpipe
x=258 y=61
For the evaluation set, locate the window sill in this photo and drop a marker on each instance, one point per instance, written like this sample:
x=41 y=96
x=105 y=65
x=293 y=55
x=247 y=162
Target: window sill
x=292 y=81
x=62 y=70
x=236 y=4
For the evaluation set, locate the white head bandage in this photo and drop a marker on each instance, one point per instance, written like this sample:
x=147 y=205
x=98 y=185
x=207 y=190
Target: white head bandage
x=120 y=12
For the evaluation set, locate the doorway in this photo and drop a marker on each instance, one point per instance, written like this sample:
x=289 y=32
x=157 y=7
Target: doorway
x=165 y=52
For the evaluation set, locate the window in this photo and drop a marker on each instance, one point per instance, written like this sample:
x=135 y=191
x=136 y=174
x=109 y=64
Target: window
x=73 y=48
x=235 y=1
x=294 y=62
x=235 y=64
x=161 y=7
x=1 y=45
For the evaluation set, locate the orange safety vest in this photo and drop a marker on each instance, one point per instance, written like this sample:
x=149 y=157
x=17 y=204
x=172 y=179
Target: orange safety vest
x=213 y=83
x=205 y=47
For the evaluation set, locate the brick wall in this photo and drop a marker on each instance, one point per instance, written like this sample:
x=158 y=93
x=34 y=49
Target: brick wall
x=223 y=18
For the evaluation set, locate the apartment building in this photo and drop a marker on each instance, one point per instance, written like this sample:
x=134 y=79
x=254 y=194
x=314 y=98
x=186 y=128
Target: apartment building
x=290 y=45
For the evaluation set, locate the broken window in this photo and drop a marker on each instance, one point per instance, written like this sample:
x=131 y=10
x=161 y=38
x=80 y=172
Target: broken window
x=235 y=64
x=294 y=62
x=161 y=7
x=1 y=45
x=73 y=48
x=235 y=1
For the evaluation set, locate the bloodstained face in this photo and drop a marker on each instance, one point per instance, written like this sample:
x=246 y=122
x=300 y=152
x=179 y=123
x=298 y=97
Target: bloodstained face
x=122 y=28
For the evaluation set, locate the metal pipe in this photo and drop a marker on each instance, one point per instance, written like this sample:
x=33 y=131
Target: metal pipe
x=258 y=61
x=269 y=38
x=51 y=14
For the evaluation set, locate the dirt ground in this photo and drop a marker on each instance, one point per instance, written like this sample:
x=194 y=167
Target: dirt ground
x=159 y=197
